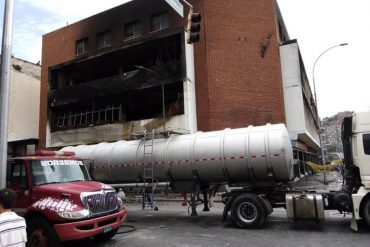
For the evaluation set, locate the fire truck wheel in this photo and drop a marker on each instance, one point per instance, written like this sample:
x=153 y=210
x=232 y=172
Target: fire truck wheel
x=106 y=236
x=41 y=234
x=247 y=211
x=366 y=211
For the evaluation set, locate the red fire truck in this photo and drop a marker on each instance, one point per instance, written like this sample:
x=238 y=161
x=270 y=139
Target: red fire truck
x=59 y=200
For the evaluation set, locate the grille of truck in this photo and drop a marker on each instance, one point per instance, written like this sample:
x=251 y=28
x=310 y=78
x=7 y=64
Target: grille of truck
x=100 y=203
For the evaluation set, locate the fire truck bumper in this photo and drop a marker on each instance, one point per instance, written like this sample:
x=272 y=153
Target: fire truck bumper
x=91 y=227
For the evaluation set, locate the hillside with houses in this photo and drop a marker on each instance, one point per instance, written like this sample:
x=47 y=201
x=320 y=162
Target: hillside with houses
x=332 y=131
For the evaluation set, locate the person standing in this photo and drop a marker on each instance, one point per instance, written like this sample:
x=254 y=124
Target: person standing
x=12 y=226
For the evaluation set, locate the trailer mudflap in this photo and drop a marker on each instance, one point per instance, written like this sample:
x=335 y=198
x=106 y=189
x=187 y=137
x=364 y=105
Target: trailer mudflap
x=266 y=204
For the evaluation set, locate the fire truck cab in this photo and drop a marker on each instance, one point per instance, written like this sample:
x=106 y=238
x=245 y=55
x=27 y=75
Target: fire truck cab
x=59 y=200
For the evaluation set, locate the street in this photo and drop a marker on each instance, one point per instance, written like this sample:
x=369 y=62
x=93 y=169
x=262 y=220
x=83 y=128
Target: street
x=172 y=226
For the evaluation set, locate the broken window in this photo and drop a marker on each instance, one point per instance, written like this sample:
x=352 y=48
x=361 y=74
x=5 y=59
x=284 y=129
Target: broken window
x=82 y=46
x=132 y=30
x=147 y=103
x=160 y=22
x=161 y=51
x=103 y=39
x=111 y=89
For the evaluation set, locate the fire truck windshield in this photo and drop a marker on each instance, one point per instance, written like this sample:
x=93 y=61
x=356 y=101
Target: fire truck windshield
x=58 y=171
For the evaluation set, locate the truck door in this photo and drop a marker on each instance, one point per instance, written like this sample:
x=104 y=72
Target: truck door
x=18 y=181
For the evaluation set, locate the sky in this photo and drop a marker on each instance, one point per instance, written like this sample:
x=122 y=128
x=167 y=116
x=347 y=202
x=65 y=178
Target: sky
x=341 y=74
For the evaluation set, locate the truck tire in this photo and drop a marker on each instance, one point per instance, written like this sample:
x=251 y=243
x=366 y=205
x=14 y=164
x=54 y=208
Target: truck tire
x=247 y=211
x=41 y=234
x=366 y=211
x=106 y=236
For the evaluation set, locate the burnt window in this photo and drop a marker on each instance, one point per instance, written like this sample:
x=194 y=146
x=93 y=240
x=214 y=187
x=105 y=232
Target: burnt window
x=366 y=140
x=132 y=30
x=82 y=46
x=103 y=39
x=160 y=21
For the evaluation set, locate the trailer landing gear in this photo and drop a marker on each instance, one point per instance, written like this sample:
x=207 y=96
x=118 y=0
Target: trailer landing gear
x=193 y=204
x=195 y=200
x=205 y=202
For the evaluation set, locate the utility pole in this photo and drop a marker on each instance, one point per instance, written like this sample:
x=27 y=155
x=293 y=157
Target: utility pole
x=6 y=53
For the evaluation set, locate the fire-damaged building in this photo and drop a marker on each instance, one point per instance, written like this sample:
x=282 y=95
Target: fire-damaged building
x=129 y=69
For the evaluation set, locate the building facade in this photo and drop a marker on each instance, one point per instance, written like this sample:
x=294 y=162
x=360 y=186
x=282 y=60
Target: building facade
x=24 y=102
x=109 y=77
x=300 y=106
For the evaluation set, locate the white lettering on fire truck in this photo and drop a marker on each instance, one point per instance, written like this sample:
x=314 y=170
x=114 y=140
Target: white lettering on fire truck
x=55 y=205
x=62 y=163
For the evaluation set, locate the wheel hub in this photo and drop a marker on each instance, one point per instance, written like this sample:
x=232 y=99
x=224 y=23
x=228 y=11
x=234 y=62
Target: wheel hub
x=247 y=212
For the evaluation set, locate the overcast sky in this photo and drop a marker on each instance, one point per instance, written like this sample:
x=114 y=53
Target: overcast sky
x=341 y=74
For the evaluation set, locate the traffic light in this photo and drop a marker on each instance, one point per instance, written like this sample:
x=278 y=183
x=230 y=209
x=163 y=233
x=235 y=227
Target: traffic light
x=193 y=27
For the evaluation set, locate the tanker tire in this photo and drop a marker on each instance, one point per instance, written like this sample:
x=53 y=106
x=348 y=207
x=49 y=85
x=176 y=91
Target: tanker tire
x=248 y=212
x=41 y=234
x=106 y=236
x=366 y=211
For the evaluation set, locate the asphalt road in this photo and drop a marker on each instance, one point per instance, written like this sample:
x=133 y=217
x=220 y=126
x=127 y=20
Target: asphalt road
x=172 y=226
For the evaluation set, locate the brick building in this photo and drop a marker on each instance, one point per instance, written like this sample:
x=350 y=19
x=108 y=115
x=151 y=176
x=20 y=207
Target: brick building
x=102 y=77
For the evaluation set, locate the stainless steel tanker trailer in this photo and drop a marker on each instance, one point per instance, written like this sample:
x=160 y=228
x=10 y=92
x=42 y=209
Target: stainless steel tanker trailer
x=232 y=155
x=257 y=161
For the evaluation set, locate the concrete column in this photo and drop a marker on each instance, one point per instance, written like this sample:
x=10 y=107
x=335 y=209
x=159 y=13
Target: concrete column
x=190 y=108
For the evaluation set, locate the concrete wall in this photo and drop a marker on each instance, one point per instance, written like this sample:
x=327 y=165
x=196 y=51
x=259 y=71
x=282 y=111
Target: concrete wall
x=24 y=101
x=300 y=109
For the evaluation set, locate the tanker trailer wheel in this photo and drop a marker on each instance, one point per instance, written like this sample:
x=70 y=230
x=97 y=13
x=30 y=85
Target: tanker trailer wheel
x=247 y=211
x=366 y=211
x=41 y=234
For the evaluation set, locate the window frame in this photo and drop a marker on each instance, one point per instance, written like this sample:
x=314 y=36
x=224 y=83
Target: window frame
x=106 y=38
x=162 y=25
x=85 y=49
x=23 y=182
x=136 y=29
x=366 y=143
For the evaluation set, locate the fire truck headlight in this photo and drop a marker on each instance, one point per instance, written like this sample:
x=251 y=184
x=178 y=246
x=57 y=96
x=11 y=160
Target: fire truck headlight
x=74 y=215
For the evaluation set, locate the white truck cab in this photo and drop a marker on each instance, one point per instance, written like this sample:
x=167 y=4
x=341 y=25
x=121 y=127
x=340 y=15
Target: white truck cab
x=360 y=154
x=361 y=145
